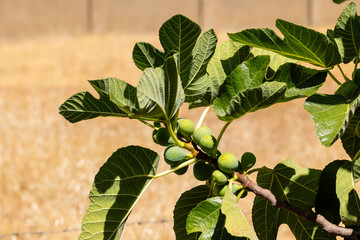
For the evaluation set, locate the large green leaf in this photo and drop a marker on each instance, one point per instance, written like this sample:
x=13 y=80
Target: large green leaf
x=118 y=186
x=300 y=81
x=347 y=33
x=299 y=43
x=356 y=169
x=331 y=114
x=235 y=223
x=187 y=201
x=327 y=203
x=348 y=197
x=350 y=140
x=207 y=219
x=146 y=55
x=298 y=186
x=197 y=84
x=159 y=90
x=228 y=55
x=179 y=34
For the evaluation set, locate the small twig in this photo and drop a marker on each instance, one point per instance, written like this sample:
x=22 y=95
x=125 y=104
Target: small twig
x=310 y=216
x=334 y=78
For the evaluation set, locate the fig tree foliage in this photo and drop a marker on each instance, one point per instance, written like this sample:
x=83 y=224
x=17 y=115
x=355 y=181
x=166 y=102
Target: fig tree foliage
x=252 y=70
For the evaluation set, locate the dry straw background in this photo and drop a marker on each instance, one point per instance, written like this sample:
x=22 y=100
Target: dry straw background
x=47 y=165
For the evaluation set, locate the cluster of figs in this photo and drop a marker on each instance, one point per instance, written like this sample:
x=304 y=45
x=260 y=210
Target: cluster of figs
x=211 y=166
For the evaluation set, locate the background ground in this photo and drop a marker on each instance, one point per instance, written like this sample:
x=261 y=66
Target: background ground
x=47 y=165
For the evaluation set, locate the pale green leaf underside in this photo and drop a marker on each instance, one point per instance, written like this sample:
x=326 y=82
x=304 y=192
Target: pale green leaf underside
x=146 y=55
x=235 y=223
x=187 y=201
x=295 y=184
x=331 y=114
x=118 y=186
x=347 y=33
x=348 y=197
x=299 y=43
x=207 y=221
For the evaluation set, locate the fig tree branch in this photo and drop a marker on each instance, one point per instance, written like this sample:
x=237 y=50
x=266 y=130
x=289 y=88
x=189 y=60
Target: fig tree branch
x=310 y=216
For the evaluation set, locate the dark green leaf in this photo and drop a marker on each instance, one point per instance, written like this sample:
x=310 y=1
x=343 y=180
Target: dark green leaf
x=300 y=43
x=327 y=203
x=339 y=1
x=187 y=201
x=347 y=33
x=295 y=184
x=350 y=140
x=179 y=34
x=235 y=223
x=118 y=186
x=348 y=197
x=356 y=169
x=146 y=55
x=300 y=81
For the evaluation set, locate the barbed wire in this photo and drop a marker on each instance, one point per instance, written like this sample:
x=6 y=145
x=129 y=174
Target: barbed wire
x=68 y=230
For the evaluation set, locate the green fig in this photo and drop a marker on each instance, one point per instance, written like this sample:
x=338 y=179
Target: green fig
x=202 y=170
x=174 y=154
x=357 y=76
x=248 y=160
x=186 y=127
x=163 y=137
x=207 y=143
x=154 y=136
x=201 y=131
x=228 y=163
x=219 y=177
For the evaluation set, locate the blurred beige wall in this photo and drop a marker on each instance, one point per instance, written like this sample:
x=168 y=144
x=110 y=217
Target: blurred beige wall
x=27 y=18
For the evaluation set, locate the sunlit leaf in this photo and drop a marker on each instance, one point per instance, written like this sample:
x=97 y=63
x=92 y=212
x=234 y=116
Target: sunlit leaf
x=235 y=223
x=299 y=43
x=118 y=186
x=347 y=33
x=295 y=184
x=207 y=220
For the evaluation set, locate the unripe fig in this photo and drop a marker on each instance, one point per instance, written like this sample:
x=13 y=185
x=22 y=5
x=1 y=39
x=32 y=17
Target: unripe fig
x=202 y=170
x=174 y=155
x=220 y=190
x=186 y=127
x=219 y=177
x=157 y=124
x=346 y=89
x=201 y=131
x=357 y=76
x=163 y=137
x=228 y=163
x=248 y=160
x=207 y=143
x=154 y=136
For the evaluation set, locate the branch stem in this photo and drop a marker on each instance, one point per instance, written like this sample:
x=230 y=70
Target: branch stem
x=184 y=164
x=310 y=216
x=334 y=78
x=203 y=115
x=219 y=138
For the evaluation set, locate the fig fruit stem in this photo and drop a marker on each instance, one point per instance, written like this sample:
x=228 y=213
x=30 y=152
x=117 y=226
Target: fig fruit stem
x=334 y=78
x=184 y=164
x=148 y=124
x=219 y=138
x=355 y=66
x=212 y=185
x=240 y=195
x=173 y=136
x=203 y=115
x=175 y=122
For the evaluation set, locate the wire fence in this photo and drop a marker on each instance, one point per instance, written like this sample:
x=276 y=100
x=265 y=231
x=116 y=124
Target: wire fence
x=70 y=230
